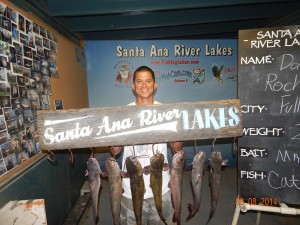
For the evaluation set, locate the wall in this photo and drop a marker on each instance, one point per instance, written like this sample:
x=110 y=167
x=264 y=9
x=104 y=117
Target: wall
x=59 y=185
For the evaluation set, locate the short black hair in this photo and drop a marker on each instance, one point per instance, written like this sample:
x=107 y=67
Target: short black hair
x=141 y=69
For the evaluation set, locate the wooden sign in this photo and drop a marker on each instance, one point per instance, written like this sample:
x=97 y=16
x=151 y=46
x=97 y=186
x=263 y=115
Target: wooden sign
x=269 y=90
x=130 y=125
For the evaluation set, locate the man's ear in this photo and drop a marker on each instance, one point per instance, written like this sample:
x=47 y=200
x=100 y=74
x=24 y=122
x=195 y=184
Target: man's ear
x=155 y=86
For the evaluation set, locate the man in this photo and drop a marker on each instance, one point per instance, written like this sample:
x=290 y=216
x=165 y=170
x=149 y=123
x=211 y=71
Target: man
x=144 y=87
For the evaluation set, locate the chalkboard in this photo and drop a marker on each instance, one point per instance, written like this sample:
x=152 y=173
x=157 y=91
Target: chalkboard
x=269 y=91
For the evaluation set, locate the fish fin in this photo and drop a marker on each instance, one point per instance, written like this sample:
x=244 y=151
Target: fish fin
x=124 y=174
x=176 y=218
x=192 y=212
x=170 y=170
x=147 y=170
x=198 y=179
x=190 y=164
x=166 y=167
x=224 y=162
x=103 y=174
x=210 y=216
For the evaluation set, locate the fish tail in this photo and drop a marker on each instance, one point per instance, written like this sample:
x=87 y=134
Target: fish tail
x=96 y=220
x=176 y=218
x=192 y=211
x=161 y=216
x=211 y=214
x=163 y=219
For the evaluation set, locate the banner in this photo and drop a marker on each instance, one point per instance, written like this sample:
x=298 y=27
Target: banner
x=130 y=125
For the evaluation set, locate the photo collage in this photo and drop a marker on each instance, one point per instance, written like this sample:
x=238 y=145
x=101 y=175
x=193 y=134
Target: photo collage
x=28 y=58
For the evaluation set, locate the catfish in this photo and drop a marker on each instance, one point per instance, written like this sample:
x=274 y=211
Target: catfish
x=93 y=172
x=135 y=173
x=156 y=169
x=115 y=187
x=196 y=181
x=215 y=164
x=177 y=167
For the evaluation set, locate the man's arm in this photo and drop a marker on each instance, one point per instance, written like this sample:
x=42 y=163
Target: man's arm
x=176 y=146
x=115 y=150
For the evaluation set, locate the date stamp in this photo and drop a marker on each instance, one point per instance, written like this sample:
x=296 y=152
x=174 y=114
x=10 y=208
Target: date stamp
x=257 y=201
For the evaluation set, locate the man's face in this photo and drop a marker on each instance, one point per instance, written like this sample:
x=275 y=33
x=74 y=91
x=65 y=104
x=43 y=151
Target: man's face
x=144 y=85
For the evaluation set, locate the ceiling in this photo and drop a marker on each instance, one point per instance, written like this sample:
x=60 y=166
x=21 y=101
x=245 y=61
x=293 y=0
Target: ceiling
x=160 y=19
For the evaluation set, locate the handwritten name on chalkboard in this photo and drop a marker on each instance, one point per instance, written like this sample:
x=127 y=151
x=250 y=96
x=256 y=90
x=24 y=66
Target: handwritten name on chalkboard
x=269 y=90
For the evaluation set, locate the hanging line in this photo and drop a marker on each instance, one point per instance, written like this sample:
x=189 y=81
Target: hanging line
x=213 y=145
x=71 y=158
x=51 y=157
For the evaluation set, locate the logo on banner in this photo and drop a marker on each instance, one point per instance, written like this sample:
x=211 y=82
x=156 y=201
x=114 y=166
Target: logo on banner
x=124 y=74
x=199 y=75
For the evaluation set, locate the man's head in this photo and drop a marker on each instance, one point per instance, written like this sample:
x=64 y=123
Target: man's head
x=141 y=69
x=144 y=85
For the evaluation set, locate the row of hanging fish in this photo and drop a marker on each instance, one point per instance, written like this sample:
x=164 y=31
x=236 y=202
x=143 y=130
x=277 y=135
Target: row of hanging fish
x=157 y=165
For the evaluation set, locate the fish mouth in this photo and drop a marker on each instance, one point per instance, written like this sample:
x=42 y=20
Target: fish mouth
x=112 y=159
x=178 y=154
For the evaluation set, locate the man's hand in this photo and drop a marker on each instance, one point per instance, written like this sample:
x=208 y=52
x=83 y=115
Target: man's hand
x=176 y=146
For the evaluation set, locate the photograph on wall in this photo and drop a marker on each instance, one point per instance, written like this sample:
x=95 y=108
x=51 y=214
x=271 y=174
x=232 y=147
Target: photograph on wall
x=11 y=53
x=3 y=61
x=6 y=149
x=18 y=48
x=2 y=166
x=6 y=23
x=43 y=32
x=27 y=52
x=9 y=13
x=24 y=39
x=19 y=60
x=16 y=68
x=38 y=41
x=3 y=47
x=28 y=26
x=58 y=104
x=27 y=63
x=36 y=28
x=26 y=72
x=5 y=101
x=9 y=114
x=15 y=103
x=15 y=32
x=2 y=124
x=4 y=136
x=3 y=75
x=2 y=8
x=10 y=161
x=21 y=23
x=4 y=89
